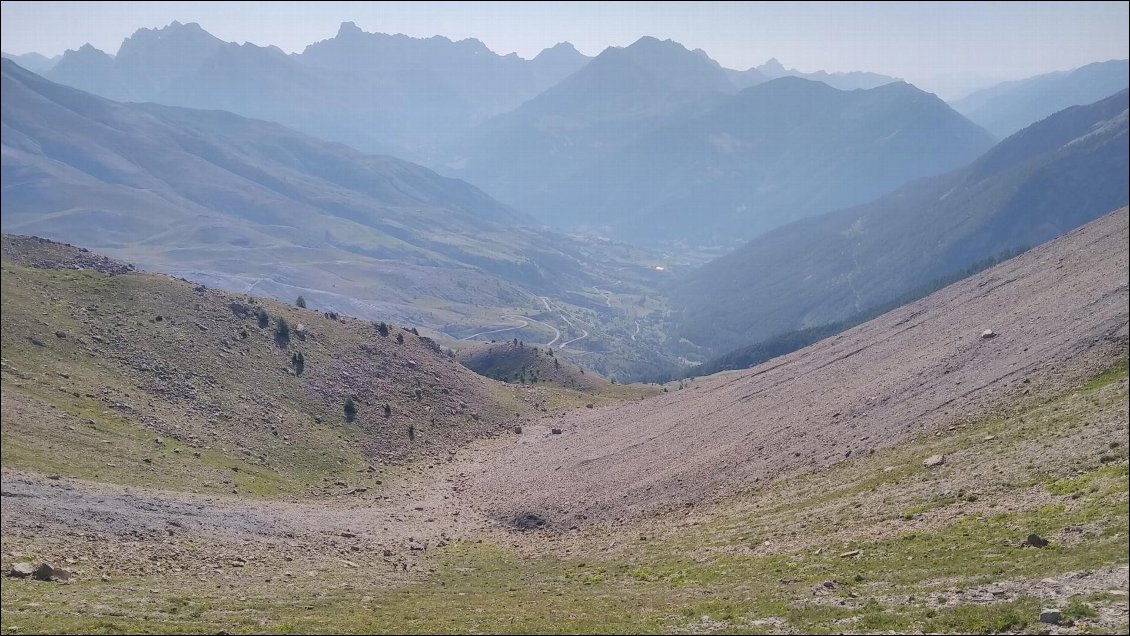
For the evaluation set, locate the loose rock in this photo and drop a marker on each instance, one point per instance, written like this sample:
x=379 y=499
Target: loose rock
x=1051 y=616
x=934 y=461
x=48 y=572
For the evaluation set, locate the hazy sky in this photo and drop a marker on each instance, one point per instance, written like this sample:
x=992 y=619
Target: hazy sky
x=913 y=40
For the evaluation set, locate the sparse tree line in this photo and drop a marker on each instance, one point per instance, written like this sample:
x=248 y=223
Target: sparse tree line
x=350 y=409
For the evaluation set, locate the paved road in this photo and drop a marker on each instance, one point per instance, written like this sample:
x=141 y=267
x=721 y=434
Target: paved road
x=584 y=332
x=525 y=323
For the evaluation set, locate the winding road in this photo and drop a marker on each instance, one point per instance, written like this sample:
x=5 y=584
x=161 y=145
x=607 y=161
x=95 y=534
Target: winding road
x=525 y=323
x=606 y=294
x=525 y=320
x=584 y=332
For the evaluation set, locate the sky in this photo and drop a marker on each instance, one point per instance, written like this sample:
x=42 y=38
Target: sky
x=926 y=43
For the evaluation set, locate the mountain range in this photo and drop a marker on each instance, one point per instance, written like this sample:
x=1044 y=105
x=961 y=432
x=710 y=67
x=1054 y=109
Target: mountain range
x=773 y=69
x=619 y=96
x=252 y=206
x=417 y=98
x=215 y=194
x=34 y=62
x=1040 y=183
x=374 y=91
x=1006 y=108
x=650 y=143
x=774 y=153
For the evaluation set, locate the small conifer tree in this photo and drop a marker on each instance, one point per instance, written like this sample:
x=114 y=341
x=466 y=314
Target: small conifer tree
x=282 y=331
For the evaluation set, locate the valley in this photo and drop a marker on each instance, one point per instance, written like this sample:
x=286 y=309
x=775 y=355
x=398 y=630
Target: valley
x=816 y=540
x=432 y=318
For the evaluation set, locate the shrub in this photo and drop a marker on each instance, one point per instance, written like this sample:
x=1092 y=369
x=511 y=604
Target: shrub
x=382 y=328
x=299 y=363
x=411 y=433
x=301 y=302
x=282 y=331
x=388 y=410
x=399 y=338
x=264 y=319
x=350 y=409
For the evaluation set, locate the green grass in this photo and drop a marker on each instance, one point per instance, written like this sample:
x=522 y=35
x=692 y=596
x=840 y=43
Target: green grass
x=1115 y=373
x=224 y=389
x=228 y=391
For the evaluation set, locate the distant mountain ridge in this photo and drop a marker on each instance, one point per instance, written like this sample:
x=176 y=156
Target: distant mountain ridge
x=1006 y=108
x=618 y=96
x=741 y=164
x=773 y=69
x=1036 y=185
x=34 y=62
x=373 y=91
x=376 y=92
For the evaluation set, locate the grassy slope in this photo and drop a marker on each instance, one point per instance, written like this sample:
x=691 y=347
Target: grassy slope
x=219 y=391
x=754 y=565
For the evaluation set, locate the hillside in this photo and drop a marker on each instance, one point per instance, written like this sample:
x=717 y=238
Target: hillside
x=1038 y=184
x=117 y=375
x=1008 y=107
x=774 y=153
x=251 y=206
x=516 y=362
x=566 y=383
x=221 y=196
x=1059 y=315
